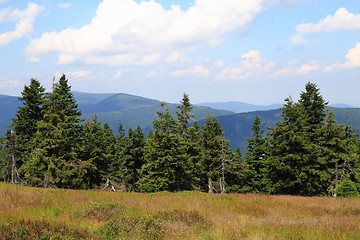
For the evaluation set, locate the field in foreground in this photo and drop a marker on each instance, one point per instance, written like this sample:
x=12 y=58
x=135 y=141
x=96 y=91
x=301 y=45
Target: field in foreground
x=35 y=213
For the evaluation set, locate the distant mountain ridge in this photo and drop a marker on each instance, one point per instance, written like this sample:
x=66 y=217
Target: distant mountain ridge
x=241 y=107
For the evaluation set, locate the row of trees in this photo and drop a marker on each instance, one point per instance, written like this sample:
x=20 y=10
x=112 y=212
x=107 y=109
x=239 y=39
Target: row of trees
x=49 y=145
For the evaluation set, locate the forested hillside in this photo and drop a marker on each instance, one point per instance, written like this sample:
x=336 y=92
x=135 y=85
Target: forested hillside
x=237 y=127
x=305 y=152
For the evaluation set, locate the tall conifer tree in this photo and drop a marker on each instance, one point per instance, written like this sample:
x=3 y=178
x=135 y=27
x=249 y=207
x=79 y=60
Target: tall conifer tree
x=166 y=157
x=256 y=157
x=211 y=136
x=57 y=141
x=28 y=115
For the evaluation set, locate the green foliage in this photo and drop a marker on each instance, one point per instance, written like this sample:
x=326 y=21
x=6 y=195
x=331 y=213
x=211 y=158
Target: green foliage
x=132 y=227
x=346 y=188
x=26 y=119
x=212 y=144
x=57 y=141
x=307 y=153
x=166 y=158
x=307 y=147
x=98 y=151
x=133 y=158
x=256 y=158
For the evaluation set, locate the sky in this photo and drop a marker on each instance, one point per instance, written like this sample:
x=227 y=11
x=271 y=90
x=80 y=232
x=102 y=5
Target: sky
x=258 y=51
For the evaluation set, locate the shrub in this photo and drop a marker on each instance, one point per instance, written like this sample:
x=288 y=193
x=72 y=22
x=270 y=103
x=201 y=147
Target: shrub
x=346 y=188
x=39 y=229
x=132 y=227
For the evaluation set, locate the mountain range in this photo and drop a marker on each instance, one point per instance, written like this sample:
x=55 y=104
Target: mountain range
x=235 y=117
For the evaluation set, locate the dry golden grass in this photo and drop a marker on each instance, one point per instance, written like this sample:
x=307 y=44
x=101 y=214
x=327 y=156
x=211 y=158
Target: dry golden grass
x=95 y=214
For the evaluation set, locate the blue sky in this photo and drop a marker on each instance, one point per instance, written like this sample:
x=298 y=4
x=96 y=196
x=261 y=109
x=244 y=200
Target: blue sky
x=258 y=51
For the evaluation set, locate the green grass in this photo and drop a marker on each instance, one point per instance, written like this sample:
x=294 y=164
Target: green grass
x=35 y=213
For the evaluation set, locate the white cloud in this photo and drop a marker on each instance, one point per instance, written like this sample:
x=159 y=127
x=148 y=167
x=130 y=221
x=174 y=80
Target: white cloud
x=33 y=59
x=252 y=66
x=219 y=63
x=341 y=20
x=307 y=68
x=64 y=5
x=352 y=60
x=178 y=57
x=80 y=74
x=24 y=22
x=296 y=69
x=10 y=84
x=126 y=32
x=195 y=70
x=120 y=73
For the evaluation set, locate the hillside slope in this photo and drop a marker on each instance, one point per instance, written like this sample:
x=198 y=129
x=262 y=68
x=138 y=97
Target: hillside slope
x=8 y=108
x=237 y=127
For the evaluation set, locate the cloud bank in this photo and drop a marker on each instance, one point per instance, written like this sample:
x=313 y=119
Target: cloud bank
x=352 y=60
x=341 y=20
x=24 y=22
x=125 y=32
x=252 y=66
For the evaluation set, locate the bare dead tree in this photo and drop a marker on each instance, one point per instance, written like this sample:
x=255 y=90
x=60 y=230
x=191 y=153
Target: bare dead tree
x=12 y=150
x=224 y=159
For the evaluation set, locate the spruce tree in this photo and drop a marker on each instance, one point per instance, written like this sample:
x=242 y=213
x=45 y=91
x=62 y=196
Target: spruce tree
x=24 y=125
x=183 y=116
x=97 y=151
x=133 y=158
x=116 y=169
x=238 y=174
x=191 y=135
x=166 y=157
x=306 y=146
x=337 y=147
x=256 y=158
x=194 y=163
x=211 y=137
x=57 y=141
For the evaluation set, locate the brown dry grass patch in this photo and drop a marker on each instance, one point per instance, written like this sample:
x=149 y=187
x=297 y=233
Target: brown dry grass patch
x=184 y=215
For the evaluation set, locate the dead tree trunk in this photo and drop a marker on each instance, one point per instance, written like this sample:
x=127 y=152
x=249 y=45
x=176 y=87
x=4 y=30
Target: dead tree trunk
x=223 y=159
x=14 y=172
x=336 y=176
x=210 y=185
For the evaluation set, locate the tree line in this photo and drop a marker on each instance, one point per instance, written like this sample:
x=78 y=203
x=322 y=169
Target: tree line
x=48 y=144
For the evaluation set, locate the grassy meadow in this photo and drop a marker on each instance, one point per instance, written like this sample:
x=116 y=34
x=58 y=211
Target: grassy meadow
x=36 y=213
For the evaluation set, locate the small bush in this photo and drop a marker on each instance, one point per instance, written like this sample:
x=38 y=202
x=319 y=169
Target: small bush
x=39 y=229
x=103 y=211
x=132 y=227
x=346 y=188
x=189 y=218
